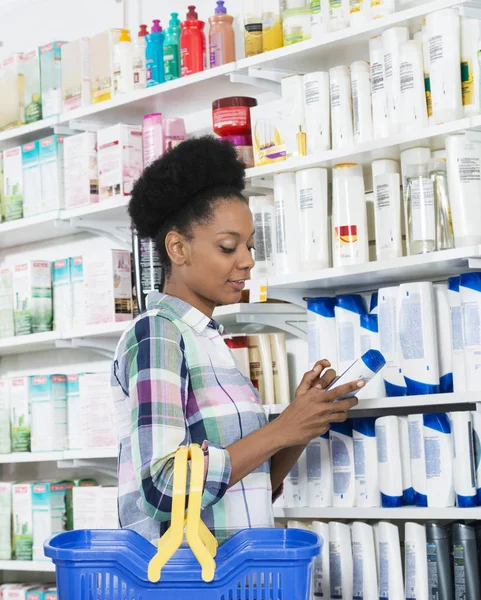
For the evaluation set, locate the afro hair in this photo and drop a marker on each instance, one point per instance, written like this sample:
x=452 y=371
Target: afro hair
x=197 y=171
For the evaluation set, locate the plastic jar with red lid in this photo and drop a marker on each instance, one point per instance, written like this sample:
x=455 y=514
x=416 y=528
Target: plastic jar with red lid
x=231 y=116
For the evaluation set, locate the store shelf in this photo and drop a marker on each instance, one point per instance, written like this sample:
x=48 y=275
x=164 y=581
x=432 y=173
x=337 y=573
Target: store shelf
x=25 y=133
x=376 y=274
x=288 y=317
x=34 y=457
x=33 y=229
x=378 y=513
x=344 y=46
x=39 y=566
x=114 y=209
x=101 y=330
x=364 y=154
x=91 y=454
x=36 y=342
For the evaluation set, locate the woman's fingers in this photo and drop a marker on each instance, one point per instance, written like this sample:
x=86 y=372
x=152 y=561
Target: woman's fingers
x=328 y=377
x=343 y=390
x=310 y=377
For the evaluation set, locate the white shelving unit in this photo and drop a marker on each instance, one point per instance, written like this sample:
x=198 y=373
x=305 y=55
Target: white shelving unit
x=33 y=457
x=379 y=514
x=37 y=566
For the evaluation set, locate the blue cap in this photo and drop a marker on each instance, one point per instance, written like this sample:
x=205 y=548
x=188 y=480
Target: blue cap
x=220 y=8
x=374 y=360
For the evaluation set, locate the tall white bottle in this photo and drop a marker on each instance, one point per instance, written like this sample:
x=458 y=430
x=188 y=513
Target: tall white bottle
x=321 y=331
x=438 y=448
x=287 y=223
x=456 y=330
x=318 y=112
x=342 y=131
x=342 y=457
x=387 y=208
x=370 y=341
x=416 y=562
x=122 y=64
x=361 y=101
x=264 y=217
x=390 y=572
x=311 y=187
x=350 y=242
x=380 y=116
x=407 y=482
x=445 y=353
x=388 y=341
x=321 y=586
x=418 y=338
x=464 y=461
x=365 y=462
x=418 y=459
x=389 y=462
x=365 y=582
x=442 y=30
x=413 y=96
x=319 y=472
x=470 y=292
x=340 y=561
x=347 y=310
x=392 y=39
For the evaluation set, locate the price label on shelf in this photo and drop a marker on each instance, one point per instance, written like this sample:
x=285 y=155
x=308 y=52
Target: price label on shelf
x=258 y=291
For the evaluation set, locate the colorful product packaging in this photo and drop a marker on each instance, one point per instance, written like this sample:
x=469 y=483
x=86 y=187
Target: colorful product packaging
x=48 y=412
x=32 y=89
x=20 y=414
x=32 y=292
x=12 y=184
x=48 y=514
x=32 y=185
x=12 y=106
x=51 y=78
x=22 y=520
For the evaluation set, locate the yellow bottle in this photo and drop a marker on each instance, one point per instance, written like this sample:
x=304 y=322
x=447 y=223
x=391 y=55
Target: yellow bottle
x=271 y=25
x=252 y=28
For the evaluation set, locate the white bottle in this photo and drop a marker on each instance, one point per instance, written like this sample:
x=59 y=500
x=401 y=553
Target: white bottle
x=350 y=243
x=389 y=300
x=321 y=586
x=264 y=217
x=361 y=101
x=416 y=562
x=442 y=30
x=389 y=462
x=318 y=112
x=464 y=182
x=413 y=95
x=122 y=64
x=470 y=38
x=418 y=459
x=407 y=481
x=347 y=311
x=321 y=331
x=390 y=572
x=476 y=418
x=311 y=187
x=387 y=208
x=470 y=292
x=381 y=8
x=370 y=341
x=342 y=131
x=138 y=62
x=421 y=210
x=295 y=485
x=365 y=583
x=380 y=117
x=340 y=561
x=280 y=370
x=418 y=338
x=287 y=226
x=365 y=462
x=342 y=457
x=364 y=368
x=319 y=472
x=464 y=464
x=338 y=14
x=456 y=331
x=438 y=448
x=421 y=36
x=392 y=39
x=445 y=353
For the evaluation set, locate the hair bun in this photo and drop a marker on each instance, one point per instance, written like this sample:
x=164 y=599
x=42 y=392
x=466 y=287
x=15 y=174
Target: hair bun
x=178 y=176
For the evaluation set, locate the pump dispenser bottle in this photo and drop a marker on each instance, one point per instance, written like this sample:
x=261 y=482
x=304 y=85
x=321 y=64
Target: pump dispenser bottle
x=154 y=54
x=172 y=48
x=221 y=37
x=192 y=44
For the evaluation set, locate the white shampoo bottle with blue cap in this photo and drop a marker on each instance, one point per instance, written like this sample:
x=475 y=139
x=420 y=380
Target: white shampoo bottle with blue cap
x=321 y=330
x=456 y=329
x=464 y=463
x=418 y=338
x=389 y=462
x=438 y=449
x=418 y=459
x=342 y=457
x=365 y=583
x=365 y=462
x=319 y=475
x=365 y=368
x=370 y=341
x=348 y=327
x=391 y=583
x=470 y=290
x=389 y=341
x=445 y=353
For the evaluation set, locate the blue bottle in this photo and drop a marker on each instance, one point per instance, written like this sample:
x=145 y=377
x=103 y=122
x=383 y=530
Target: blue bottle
x=154 y=55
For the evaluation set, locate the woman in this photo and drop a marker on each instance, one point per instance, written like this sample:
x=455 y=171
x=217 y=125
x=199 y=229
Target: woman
x=175 y=380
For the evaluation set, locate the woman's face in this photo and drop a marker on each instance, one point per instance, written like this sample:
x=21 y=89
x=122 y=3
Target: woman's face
x=218 y=258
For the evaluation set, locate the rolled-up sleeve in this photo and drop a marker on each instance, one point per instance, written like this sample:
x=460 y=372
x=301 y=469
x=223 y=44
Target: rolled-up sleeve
x=158 y=387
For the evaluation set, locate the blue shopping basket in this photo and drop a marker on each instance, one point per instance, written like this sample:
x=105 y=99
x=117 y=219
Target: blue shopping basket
x=255 y=564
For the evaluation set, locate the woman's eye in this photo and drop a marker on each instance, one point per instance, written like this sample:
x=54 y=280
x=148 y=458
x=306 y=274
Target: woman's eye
x=227 y=250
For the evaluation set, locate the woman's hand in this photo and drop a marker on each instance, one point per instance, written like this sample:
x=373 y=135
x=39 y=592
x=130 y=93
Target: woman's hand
x=313 y=409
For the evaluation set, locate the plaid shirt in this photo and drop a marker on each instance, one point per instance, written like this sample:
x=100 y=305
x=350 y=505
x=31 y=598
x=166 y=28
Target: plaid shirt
x=175 y=382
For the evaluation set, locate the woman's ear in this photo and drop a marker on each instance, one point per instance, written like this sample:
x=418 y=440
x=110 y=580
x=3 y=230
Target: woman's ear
x=175 y=245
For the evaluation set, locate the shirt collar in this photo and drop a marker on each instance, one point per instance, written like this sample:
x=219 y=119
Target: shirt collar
x=183 y=311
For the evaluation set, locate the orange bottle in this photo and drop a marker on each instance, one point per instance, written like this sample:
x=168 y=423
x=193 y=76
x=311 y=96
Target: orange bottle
x=221 y=37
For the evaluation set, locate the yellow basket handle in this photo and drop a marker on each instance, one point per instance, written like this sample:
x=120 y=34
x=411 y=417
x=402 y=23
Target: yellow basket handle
x=200 y=539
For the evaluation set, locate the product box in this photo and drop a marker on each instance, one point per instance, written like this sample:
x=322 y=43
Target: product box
x=32 y=185
x=49 y=514
x=74 y=425
x=32 y=91
x=62 y=295
x=2 y=204
x=81 y=170
x=120 y=159
x=51 y=77
x=22 y=520
x=268 y=132
x=76 y=74
x=95 y=507
x=69 y=497
x=79 y=301
x=96 y=411
x=32 y=293
x=5 y=435
x=52 y=172
x=13 y=184
x=20 y=414
x=46 y=592
x=5 y=521
x=294 y=113
x=16 y=591
x=7 y=324
x=101 y=49
x=48 y=412
x=12 y=106
x=108 y=287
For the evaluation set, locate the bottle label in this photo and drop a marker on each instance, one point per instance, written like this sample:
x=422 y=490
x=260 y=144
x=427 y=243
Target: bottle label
x=429 y=100
x=171 y=62
x=423 y=214
x=216 y=49
x=345 y=237
x=459 y=565
x=467 y=83
x=234 y=116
